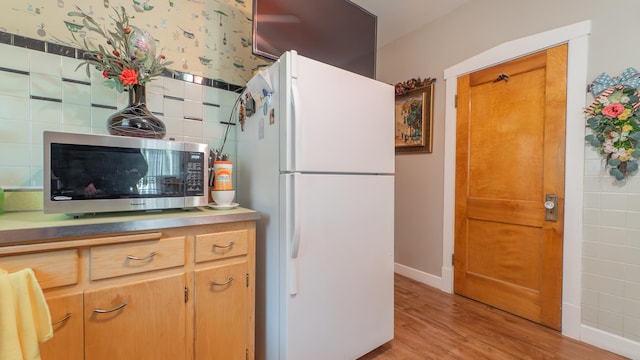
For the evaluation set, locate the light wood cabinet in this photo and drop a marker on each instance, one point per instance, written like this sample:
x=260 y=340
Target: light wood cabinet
x=68 y=340
x=222 y=301
x=143 y=320
x=224 y=294
x=182 y=293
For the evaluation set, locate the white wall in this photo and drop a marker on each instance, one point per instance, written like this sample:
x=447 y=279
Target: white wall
x=610 y=267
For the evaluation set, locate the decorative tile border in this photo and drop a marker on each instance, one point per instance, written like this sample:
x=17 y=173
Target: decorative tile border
x=79 y=82
x=51 y=48
x=14 y=71
x=42 y=98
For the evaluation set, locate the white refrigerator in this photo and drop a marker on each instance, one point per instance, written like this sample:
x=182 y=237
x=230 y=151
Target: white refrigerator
x=317 y=161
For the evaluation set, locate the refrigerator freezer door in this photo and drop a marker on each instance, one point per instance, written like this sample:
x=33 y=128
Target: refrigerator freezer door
x=336 y=121
x=341 y=304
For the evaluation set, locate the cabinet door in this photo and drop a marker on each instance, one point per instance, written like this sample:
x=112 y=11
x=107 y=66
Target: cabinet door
x=144 y=320
x=67 y=340
x=221 y=312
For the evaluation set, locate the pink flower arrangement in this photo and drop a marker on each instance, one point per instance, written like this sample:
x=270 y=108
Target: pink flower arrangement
x=128 y=77
x=129 y=55
x=613 y=110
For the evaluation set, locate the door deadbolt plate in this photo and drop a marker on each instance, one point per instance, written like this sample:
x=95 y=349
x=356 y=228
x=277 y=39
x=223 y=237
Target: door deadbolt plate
x=551 y=208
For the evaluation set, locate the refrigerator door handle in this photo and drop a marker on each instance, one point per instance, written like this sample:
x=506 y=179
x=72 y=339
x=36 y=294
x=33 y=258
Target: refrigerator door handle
x=296 y=125
x=295 y=234
x=297 y=206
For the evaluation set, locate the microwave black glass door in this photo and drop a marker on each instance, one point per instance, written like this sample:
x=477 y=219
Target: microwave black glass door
x=101 y=172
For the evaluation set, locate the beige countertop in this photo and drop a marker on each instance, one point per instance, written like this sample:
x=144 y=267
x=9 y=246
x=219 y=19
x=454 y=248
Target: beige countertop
x=22 y=227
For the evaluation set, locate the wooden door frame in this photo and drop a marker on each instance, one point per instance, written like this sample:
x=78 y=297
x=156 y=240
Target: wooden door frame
x=576 y=36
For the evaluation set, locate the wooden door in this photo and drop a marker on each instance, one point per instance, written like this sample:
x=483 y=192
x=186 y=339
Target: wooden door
x=67 y=342
x=222 y=313
x=509 y=157
x=150 y=326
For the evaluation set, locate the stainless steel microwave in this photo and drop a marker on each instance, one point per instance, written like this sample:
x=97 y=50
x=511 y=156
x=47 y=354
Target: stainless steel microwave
x=102 y=173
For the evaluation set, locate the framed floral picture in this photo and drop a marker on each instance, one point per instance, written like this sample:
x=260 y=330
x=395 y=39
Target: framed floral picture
x=414 y=120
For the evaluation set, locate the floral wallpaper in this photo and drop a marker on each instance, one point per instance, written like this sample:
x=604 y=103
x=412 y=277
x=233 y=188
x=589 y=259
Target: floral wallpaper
x=210 y=38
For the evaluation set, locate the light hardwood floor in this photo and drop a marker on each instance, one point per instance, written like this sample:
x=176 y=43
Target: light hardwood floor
x=431 y=324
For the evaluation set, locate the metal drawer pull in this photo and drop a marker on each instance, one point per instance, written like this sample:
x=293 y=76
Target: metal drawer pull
x=65 y=318
x=225 y=246
x=100 y=311
x=150 y=256
x=213 y=283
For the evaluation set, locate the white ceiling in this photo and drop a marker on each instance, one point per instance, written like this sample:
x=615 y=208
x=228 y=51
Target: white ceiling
x=397 y=18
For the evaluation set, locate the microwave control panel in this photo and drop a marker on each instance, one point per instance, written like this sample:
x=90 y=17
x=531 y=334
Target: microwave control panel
x=195 y=175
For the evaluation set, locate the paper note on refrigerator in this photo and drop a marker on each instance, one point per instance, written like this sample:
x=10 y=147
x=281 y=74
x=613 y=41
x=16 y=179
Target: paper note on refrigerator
x=260 y=83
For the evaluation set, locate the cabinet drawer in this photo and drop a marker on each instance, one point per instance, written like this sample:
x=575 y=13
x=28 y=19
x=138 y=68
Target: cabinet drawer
x=131 y=258
x=221 y=245
x=52 y=268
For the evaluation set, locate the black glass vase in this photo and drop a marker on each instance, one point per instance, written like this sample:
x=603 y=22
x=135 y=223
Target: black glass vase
x=136 y=120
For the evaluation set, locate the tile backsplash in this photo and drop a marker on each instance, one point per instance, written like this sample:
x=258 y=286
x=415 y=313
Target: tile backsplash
x=610 y=250
x=41 y=91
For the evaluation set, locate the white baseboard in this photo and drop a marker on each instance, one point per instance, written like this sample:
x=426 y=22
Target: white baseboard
x=571 y=320
x=417 y=275
x=610 y=342
x=447 y=279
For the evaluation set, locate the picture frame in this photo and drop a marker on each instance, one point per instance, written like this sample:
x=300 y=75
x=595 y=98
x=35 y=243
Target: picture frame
x=414 y=121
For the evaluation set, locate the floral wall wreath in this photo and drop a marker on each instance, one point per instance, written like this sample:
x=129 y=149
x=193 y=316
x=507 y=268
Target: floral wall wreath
x=614 y=121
